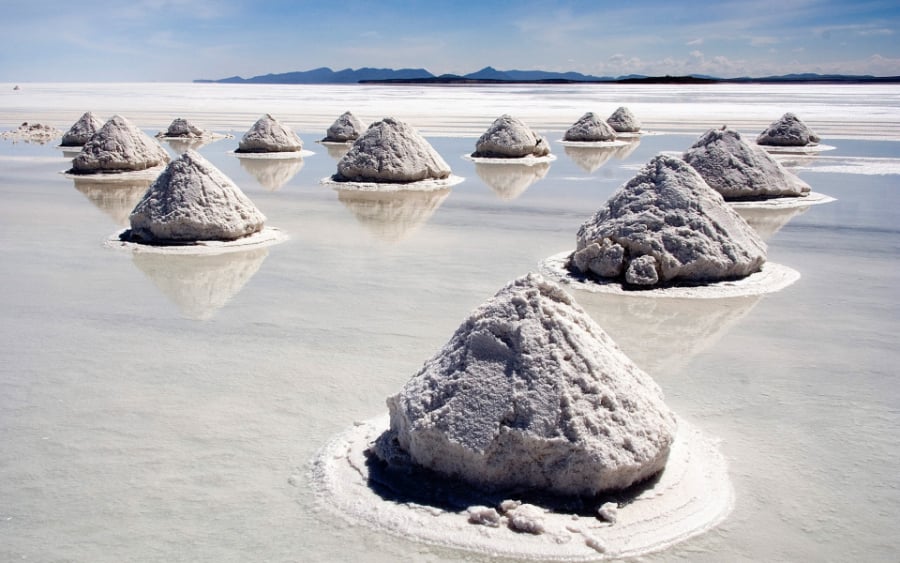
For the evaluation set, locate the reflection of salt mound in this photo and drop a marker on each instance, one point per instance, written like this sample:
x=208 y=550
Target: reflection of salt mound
x=767 y=222
x=509 y=181
x=116 y=199
x=200 y=285
x=507 y=137
x=530 y=393
x=272 y=174
x=738 y=170
x=118 y=146
x=788 y=131
x=391 y=151
x=192 y=200
x=337 y=151
x=81 y=131
x=590 y=159
x=183 y=129
x=666 y=225
x=394 y=215
x=623 y=121
x=345 y=128
x=590 y=128
x=269 y=135
x=183 y=145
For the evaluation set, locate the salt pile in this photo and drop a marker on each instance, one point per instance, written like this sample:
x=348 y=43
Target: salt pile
x=508 y=137
x=623 y=121
x=193 y=201
x=738 y=170
x=31 y=133
x=118 y=147
x=346 y=128
x=181 y=128
x=788 y=131
x=268 y=135
x=666 y=225
x=590 y=128
x=81 y=131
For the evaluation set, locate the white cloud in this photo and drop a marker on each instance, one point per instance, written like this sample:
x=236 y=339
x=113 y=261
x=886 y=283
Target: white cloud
x=698 y=41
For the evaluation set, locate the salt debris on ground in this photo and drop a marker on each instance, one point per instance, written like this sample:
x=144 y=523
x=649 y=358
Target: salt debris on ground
x=530 y=393
x=193 y=201
x=789 y=131
x=666 y=225
x=31 y=133
x=609 y=512
x=508 y=137
x=526 y=518
x=484 y=515
x=269 y=135
x=590 y=128
x=391 y=151
x=739 y=170
x=81 y=131
x=346 y=128
x=181 y=128
x=117 y=147
x=623 y=121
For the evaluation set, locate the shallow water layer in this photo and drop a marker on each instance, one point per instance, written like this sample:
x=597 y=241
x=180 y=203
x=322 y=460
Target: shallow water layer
x=160 y=410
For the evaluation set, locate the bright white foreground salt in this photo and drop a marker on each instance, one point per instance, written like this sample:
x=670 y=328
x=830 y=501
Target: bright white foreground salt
x=266 y=237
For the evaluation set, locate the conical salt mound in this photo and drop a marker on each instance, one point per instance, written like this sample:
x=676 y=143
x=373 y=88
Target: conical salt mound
x=182 y=128
x=393 y=152
x=788 y=131
x=192 y=200
x=344 y=129
x=623 y=121
x=81 y=131
x=269 y=135
x=590 y=128
x=738 y=170
x=531 y=393
x=118 y=146
x=665 y=225
x=507 y=137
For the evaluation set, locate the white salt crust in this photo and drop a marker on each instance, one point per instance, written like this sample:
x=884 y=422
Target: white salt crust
x=528 y=160
x=421 y=185
x=693 y=495
x=280 y=155
x=594 y=143
x=771 y=278
x=813 y=198
x=266 y=237
x=207 y=136
x=807 y=149
x=146 y=174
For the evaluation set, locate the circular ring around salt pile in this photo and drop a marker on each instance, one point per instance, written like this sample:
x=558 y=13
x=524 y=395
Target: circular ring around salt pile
x=692 y=495
x=145 y=174
x=273 y=155
x=812 y=198
x=528 y=160
x=806 y=149
x=616 y=143
x=421 y=185
x=266 y=237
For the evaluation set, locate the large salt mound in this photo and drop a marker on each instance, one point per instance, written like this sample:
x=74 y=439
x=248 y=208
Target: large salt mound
x=391 y=151
x=507 y=137
x=81 y=131
x=269 y=135
x=788 y=131
x=118 y=146
x=193 y=201
x=623 y=121
x=666 y=225
x=590 y=128
x=183 y=129
x=739 y=170
x=530 y=393
x=344 y=129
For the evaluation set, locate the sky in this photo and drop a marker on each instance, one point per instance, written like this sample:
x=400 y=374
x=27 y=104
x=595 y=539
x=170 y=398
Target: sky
x=183 y=40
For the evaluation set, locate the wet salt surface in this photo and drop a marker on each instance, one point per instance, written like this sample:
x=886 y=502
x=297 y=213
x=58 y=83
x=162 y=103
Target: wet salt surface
x=161 y=412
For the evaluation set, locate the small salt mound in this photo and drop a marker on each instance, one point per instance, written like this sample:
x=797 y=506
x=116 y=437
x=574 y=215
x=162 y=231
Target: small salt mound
x=118 y=146
x=738 y=170
x=269 y=135
x=665 y=225
x=182 y=128
x=507 y=137
x=590 y=128
x=391 y=151
x=531 y=393
x=788 y=131
x=623 y=121
x=344 y=129
x=81 y=131
x=193 y=201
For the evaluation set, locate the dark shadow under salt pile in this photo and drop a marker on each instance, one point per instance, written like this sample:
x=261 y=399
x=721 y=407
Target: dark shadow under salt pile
x=268 y=135
x=118 y=147
x=508 y=137
x=590 y=128
x=81 y=131
x=623 y=121
x=345 y=129
x=788 y=131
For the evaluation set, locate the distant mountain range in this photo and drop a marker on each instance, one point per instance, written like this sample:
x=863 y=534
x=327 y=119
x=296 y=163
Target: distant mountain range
x=490 y=75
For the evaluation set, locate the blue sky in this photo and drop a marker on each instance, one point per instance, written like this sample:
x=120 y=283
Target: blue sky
x=180 y=40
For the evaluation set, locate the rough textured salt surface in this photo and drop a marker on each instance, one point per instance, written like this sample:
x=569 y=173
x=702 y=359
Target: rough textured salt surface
x=190 y=201
x=788 y=131
x=590 y=128
x=669 y=213
x=507 y=137
x=269 y=135
x=530 y=393
x=345 y=128
x=118 y=146
x=739 y=170
x=81 y=131
x=391 y=151
x=31 y=133
x=623 y=121
x=182 y=128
